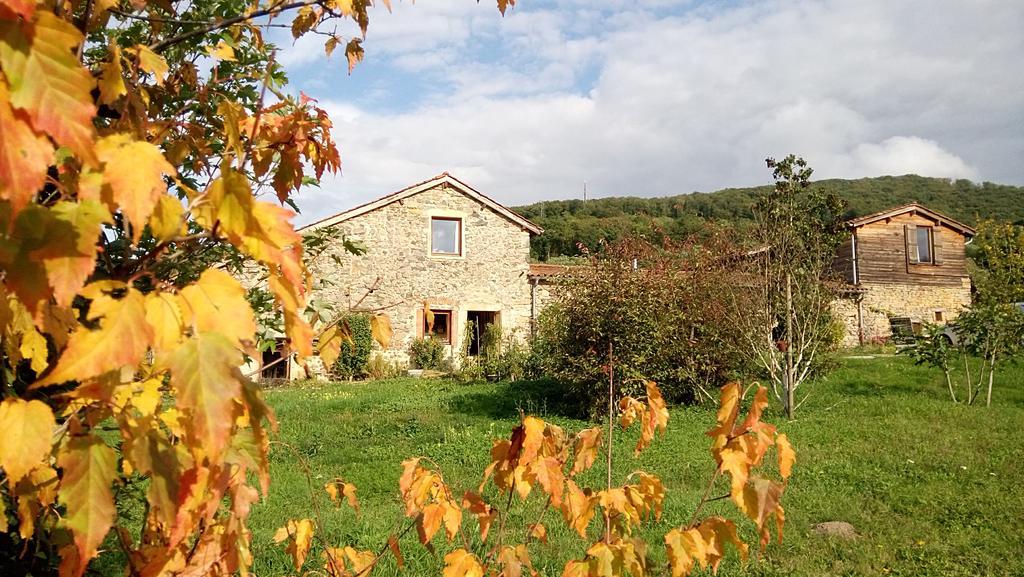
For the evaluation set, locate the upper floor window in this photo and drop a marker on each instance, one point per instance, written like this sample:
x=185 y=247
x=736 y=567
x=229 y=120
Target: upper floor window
x=924 y=244
x=446 y=235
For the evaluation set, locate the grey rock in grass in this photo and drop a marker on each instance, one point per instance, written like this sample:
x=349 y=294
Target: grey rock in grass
x=840 y=529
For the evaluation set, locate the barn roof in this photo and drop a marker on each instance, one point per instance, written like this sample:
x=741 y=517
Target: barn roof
x=913 y=208
x=443 y=178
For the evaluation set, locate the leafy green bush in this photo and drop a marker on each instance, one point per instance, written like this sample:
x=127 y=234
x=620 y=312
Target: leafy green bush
x=502 y=356
x=428 y=354
x=663 y=310
x=354 y=356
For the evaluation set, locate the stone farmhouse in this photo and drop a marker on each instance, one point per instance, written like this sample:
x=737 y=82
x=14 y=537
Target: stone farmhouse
x=907 y=263
x=441 y=246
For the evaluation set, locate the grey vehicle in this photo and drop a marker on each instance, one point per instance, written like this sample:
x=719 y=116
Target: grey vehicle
x=952 y=333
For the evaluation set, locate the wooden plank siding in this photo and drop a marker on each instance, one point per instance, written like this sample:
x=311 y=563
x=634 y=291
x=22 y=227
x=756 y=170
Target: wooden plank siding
x=842 y=264
x=882 y=248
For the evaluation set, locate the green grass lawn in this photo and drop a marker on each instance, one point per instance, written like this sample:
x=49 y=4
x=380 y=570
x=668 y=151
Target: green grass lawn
x=933 y=488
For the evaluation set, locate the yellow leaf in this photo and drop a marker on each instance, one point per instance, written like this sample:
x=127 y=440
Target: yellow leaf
x=222 y=50
x=89 y=467
x=206 y=380
x=231 y=114
x=216 y=303
x=151 y=62
x=167 y=220
x=462 y=563
x=337 y=489
x=163 y=314
x=27 y=431
x=354 y=53
x=299 y=535
x=360 y=561
x=47 y=82
x=111 y=83
x=120 y=341
x=69 y=255
x=135 y=171
x=380 y=328
x=34 y=494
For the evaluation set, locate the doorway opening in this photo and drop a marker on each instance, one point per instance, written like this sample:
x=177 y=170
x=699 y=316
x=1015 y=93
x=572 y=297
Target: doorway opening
x=480 y=321
x=275 y=366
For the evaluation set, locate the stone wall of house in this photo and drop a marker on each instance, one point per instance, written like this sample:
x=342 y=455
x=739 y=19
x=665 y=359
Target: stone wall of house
x=398 y=274
x=882 y=301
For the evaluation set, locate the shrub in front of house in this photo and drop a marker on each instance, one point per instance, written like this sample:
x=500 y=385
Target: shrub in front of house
x=664 y=310
x=354 y=357
x=502 y=356
x=428 y=354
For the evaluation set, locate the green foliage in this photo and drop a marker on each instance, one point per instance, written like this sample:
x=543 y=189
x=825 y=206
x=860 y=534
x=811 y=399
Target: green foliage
x=568 y=223
x=502 y=357
x=665 y=315
x=998 y=251
x=428 y=354
x=354 y=356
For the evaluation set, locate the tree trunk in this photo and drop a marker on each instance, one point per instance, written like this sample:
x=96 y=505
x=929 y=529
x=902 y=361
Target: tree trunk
x=949 y=383
x=790 y=385
x=991 y=373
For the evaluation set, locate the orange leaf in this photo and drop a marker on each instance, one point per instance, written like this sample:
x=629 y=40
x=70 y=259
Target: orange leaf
x=588 y=443
x=24 y=156
x=393 y=545
x=48 y=82
x=354 y=52
x=485 y=514
x=787 y=456
x=89 y=467
x=462 y=563
x=206 y=380
x=760 y=500
x=513 y=559
x=539 y=532
x=578 y=507
x=27 y=436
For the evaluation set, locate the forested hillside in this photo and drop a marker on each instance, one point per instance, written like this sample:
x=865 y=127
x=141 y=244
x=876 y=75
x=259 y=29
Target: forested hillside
x=567 y=223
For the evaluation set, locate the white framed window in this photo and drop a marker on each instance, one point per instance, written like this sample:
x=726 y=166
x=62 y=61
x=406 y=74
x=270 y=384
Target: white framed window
x=924 y=244
x=446 y=236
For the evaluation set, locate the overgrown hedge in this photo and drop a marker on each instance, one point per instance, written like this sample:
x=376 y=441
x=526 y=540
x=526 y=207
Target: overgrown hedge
x=663 y=309
x=355 y=356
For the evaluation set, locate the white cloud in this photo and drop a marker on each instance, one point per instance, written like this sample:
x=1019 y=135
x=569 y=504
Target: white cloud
x=638 y=99
x=909 y=155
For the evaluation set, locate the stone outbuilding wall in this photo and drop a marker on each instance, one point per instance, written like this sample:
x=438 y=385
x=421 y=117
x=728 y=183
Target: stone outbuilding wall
x=399 y=273
x=880 y=302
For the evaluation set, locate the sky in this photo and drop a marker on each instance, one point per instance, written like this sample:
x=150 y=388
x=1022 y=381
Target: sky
x=663 y=97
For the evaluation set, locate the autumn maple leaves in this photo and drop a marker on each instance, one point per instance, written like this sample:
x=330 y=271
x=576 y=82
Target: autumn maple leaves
x=540 y=457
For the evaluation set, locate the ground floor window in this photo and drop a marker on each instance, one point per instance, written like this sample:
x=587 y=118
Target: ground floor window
x=438 y=324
